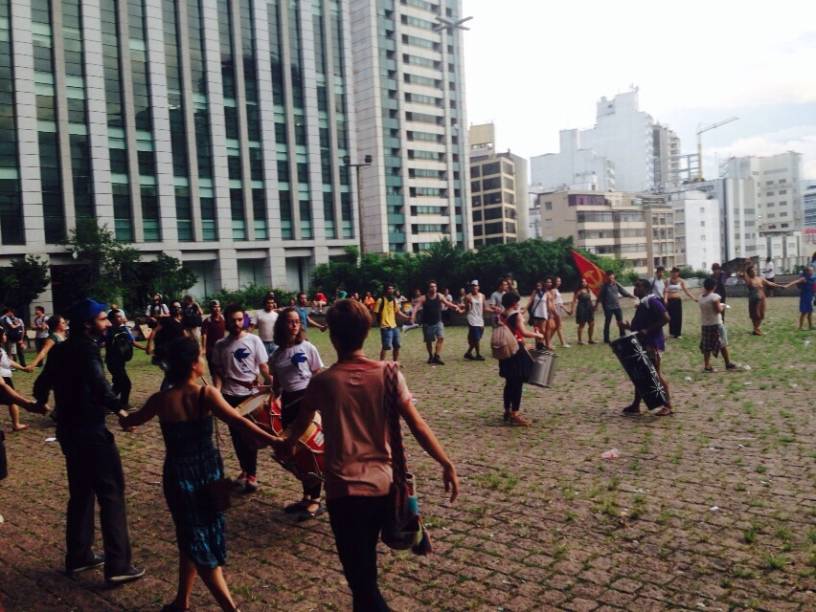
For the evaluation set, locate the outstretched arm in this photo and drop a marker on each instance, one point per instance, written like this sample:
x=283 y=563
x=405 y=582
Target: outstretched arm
x=141 y=416
x=686 y=291
x=429 y=443
x=221 y=409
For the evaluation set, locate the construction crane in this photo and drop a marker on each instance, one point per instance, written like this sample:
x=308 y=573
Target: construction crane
x=700 y=132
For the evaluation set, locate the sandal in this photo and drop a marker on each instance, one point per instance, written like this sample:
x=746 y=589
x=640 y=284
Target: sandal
x=517 y=419
x=664 y=411
x=631 y=411
x=298 y=506
x=306 y=514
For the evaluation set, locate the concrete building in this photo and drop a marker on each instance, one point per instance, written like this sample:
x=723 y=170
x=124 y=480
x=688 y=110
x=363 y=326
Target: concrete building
x=697 y=232
x=808 y=189
x=637 y=228
x=774 y=202
x=410 y=106
x=498 y=188
x=211 y=130
x=626 y=150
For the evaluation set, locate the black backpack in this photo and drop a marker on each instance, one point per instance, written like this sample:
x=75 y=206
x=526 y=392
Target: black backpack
x=121 y=345
x=191 y=316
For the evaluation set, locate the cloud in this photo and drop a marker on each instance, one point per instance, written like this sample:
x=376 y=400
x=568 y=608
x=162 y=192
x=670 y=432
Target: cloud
x=801 y=139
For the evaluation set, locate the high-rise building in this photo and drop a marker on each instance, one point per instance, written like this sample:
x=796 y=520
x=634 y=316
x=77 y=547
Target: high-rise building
x=776 y=206
x=410 y=109
x=636 y=228
x=808 y=189
x=697 y=233
x=625 y=150
x=215 y=131
x=498 y=190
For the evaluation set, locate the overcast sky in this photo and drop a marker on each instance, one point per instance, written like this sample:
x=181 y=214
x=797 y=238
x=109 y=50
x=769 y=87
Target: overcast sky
x=536 y=66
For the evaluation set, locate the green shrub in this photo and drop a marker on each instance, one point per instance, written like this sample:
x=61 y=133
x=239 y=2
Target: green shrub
x=250 y=297
x=453 y=267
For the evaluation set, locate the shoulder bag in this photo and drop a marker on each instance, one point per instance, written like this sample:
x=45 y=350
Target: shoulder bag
x=403 y=527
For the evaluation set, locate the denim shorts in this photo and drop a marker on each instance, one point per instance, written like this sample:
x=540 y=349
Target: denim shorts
x=433 y=332
x=390 y=338
x=475 y=333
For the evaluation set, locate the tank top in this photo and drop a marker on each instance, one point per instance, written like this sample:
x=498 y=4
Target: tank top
x=673 y=289
x=474 y=313
x=432 y=310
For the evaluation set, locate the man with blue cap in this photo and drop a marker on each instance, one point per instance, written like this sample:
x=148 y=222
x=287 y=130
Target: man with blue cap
x=83 y=397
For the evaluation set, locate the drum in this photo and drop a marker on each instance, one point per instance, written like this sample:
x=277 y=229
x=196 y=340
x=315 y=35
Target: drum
x=306 y=458
x=543 y=369
x=635 y=360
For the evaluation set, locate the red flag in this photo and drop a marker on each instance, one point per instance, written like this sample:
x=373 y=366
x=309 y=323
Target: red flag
x=590 y=272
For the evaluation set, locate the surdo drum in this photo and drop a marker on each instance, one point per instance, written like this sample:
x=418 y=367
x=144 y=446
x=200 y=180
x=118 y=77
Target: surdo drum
x=306 y=458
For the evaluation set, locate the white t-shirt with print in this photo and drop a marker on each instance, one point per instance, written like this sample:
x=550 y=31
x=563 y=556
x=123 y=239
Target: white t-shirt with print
x=265 y=322
x=293 y=366
x=238 y=360
x=708 y=314
x=5 y=364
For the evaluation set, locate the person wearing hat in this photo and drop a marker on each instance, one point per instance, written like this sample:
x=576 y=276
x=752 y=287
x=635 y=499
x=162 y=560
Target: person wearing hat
x=474 y=304
x=83 y=398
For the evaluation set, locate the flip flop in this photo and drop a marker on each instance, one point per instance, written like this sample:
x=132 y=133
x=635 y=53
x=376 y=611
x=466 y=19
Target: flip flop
x=306 y=515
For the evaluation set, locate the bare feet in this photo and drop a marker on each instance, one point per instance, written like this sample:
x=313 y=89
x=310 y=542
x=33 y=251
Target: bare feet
x=517 y=419
x=664 y=411
x=20 y=427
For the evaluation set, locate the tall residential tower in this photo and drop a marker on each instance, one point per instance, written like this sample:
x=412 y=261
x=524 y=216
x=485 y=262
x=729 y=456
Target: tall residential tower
x=410 y=109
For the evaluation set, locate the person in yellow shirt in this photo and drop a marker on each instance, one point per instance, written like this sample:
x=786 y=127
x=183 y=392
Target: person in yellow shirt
x=387 y=311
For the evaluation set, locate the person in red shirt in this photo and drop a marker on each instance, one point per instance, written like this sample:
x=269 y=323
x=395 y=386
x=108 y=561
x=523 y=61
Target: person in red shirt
x=320 y=301
x=212 y=330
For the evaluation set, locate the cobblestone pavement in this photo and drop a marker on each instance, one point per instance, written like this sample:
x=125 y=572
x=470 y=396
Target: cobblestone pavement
x=710 y=509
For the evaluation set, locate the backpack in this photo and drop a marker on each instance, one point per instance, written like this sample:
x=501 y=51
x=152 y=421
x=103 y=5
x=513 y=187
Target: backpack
x=13 y=334
x=503 y=343
x=191 y=316
x=121 y=344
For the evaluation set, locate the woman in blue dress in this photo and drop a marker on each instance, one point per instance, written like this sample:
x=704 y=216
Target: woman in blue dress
x=807 y=285
x=186 y=412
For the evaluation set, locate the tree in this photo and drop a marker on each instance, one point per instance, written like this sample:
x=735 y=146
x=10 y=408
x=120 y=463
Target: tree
x=102 y=259
x=24 y=280
x=165 y=275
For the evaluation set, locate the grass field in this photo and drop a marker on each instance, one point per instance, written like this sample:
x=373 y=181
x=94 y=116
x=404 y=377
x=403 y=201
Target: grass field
x=711 y=508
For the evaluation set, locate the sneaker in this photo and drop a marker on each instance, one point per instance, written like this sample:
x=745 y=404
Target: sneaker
x=431 y=360
x=468 y=356
x=730 y=366
x=438 y=360
x=240 y=481
x=129 y=575
x=478 y=358
x=251 y=484
x=95 y=562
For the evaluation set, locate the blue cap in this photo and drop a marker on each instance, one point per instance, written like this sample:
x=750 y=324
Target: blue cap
x=86 y=310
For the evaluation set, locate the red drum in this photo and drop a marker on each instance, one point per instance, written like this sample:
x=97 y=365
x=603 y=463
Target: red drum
x=306 y=459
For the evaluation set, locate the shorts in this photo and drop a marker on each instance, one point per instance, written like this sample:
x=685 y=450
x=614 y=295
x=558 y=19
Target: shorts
x=8 y=381
x=390 y=338
x=433 y=332
x=475 y=333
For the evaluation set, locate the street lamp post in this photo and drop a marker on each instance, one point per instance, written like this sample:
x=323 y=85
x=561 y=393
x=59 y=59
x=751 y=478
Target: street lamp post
x=366 y=162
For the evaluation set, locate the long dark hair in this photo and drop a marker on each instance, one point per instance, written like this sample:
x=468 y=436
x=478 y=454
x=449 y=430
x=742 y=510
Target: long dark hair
x=180 y=357
x=280 y=333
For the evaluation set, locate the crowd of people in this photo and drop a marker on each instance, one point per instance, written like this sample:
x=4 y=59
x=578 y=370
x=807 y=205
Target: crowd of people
x=245 y=353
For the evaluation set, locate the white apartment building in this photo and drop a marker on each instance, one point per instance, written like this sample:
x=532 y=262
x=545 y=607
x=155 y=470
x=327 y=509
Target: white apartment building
x=809 y=215
x=626 y=150
x=775 y=203
x=410 y=105
x=697 y=232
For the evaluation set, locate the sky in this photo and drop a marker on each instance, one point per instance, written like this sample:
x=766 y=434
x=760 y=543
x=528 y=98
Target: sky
x=533 y=67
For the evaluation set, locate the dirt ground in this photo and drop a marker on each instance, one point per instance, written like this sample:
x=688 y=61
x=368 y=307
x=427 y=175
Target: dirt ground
x=710 y=509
